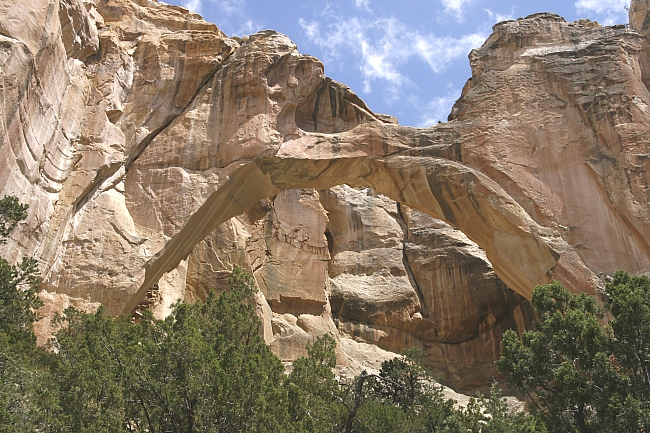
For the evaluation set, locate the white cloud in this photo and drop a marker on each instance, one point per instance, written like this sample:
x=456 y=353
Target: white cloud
x=193 y=5
x=311 y=29
x=381 y=48
x=234 y=20
x=378 y=47
x=435 y=110
x=249 y=27
x=608 y=11
x=497 y=17
x=230 y=7
x=362 y=4
x=440 y=52
x=456 y=7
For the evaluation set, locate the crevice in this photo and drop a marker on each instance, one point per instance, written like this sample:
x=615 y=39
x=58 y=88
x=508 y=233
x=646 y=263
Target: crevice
x=145 y=142
x=403 y=222
x=130 y=239
x=109 y=173
x=341 y=319
x=330 y=241
x=296 y=306
x=4 y=32
x=644 y=65
x=639 y=239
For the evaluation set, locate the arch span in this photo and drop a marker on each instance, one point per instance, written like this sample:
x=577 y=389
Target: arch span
x=522 y=253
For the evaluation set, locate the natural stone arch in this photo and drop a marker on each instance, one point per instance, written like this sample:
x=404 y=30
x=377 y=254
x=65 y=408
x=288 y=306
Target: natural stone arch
x=522 y=253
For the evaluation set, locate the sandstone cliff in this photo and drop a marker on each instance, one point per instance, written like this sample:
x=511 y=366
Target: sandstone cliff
x=156 y=153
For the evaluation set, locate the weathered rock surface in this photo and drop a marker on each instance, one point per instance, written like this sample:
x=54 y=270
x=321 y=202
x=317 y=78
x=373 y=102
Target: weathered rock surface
x=640 y=16
x=399 y=277
x=155 y=154
x=572 y=97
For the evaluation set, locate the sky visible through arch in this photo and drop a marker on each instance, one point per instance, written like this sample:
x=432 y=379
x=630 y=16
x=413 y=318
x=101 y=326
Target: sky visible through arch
x=405 y=58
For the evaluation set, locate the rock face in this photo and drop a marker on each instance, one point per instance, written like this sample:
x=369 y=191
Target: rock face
x=639 y=17
x=156 y=154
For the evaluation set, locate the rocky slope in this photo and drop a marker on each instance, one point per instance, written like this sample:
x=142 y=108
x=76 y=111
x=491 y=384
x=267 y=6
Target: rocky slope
x=156 y=153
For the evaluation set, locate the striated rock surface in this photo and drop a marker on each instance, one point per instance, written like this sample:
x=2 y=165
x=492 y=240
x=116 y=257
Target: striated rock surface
x=581 y=126
x=640 y=16
x=156 y=154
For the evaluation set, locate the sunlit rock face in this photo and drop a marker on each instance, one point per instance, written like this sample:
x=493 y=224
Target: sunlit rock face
x=565 y=132
x=156 y=154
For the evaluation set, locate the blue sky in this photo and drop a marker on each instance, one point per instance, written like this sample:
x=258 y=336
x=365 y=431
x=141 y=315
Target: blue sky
x=405 y=58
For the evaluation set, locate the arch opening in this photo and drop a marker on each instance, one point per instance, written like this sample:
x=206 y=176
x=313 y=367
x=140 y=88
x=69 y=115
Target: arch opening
x=392 y=277
x=518 y=250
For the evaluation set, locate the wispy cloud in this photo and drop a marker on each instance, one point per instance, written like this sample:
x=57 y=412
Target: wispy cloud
x=440 y=52
x=248 y=26
x=607 y=11
x=233 y=18
x=362 y=4
x=230 y=7
x=237 y=22
x=497 y=17
x=456 y=7
x=382 y=48
x=193 y=5
x=435 y=110
x=377 y=57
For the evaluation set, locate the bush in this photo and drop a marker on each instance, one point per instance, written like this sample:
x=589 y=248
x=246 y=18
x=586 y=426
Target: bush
x=579 y=374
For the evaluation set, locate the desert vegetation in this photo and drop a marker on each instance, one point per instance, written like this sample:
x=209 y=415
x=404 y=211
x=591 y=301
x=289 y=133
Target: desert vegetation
x=205 y=368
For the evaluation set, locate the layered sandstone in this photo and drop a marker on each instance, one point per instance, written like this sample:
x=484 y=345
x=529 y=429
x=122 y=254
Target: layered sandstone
x=156 y=154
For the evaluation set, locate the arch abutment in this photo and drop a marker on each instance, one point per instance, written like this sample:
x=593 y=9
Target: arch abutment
x=246 y=186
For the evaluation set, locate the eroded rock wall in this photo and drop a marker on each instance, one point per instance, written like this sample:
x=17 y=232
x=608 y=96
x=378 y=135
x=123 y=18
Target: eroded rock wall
x=565 y=132
x=156 y=154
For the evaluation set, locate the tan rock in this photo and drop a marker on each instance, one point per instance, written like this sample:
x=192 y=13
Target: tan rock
x=211 y=262
x=576 y=136
x=639 y=14
x=156 y=153
x=85 y=124
x=54 y=303
x=292 y=274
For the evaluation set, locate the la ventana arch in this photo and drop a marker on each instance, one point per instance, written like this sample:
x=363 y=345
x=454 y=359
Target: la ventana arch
x=518 y=248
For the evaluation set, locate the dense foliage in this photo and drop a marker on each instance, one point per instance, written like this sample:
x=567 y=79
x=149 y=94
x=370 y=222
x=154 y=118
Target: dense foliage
x=579 y=374
x=18 y=300
x=11 y=213
x=205 y=368
x=404 y=397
